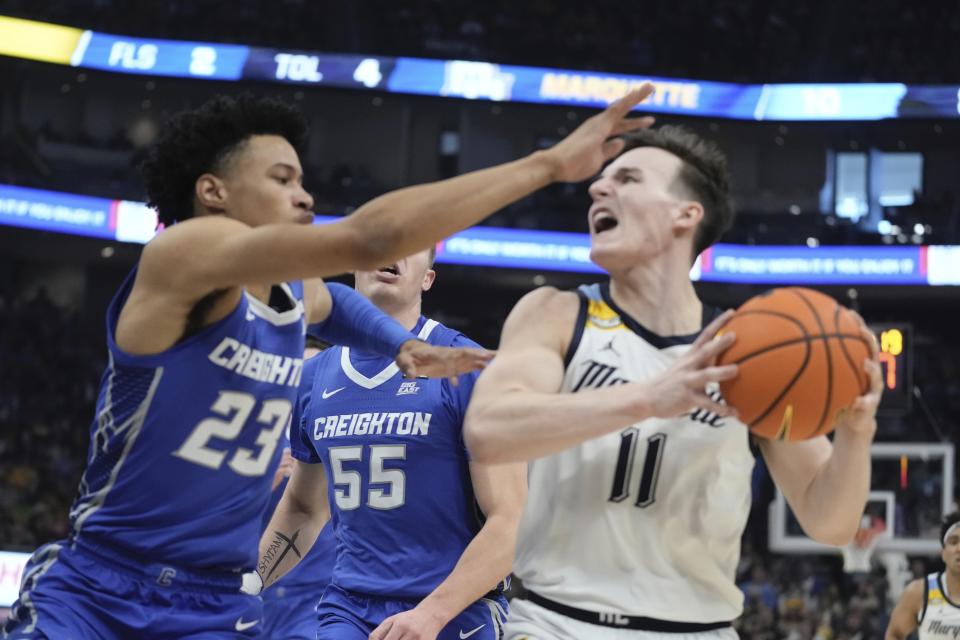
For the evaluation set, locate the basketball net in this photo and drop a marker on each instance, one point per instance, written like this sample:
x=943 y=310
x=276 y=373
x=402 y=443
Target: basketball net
x=858 y=552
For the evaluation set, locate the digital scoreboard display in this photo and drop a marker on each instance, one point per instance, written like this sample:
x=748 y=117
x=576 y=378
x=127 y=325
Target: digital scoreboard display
x=471 y=80
x=896 y=365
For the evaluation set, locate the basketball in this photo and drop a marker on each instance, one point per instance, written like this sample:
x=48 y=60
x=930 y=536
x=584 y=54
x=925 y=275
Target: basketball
x=800 y=357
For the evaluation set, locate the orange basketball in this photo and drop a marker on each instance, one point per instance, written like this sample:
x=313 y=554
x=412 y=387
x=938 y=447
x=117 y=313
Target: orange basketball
x=800 y=357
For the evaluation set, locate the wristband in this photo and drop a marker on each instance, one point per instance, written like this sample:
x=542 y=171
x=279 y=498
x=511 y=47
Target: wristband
x=357 y=323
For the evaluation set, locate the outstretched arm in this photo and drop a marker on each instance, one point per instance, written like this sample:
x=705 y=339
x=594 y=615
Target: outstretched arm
x=340 y=315
x=516 y=412
x=215 y=252
x=296 y=523
x=826 y=484
x=197 y=257
x=501 y=491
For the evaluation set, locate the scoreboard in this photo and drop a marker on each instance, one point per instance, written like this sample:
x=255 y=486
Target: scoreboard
x=464 y=79
x=896 y=365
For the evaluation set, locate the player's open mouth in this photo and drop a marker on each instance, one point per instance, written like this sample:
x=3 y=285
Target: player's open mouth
x=602 y=220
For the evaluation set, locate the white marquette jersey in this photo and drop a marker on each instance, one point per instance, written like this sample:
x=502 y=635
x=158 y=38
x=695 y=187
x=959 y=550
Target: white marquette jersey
x=645 y=521
x=940 y=616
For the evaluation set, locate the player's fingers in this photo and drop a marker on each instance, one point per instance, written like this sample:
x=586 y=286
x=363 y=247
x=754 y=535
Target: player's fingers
x=406 y=364
x=632 y=124
x=470 y=358
x=871 y=339
x=716 y=374
x=611 y=148
x=708 y=352
x=711 y=329
x=480 y=356
x=705 y=402
x=872 y=367
x=619 y=108
x=380 y=633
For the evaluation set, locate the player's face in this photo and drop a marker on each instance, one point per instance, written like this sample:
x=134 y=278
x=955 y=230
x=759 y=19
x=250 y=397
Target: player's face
x=637 y=212
x=263 y=183
x=951 y=552
x=397 y=284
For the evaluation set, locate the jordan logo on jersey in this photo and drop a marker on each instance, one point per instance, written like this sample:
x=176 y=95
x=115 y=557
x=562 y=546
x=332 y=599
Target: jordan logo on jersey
x=609 y=347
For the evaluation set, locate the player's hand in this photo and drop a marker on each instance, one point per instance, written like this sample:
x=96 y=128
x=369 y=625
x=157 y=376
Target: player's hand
x=415 y=624
x=418 y=358
x=862 y=416
x=583 y=153
x=682 y=387
x=284 y=470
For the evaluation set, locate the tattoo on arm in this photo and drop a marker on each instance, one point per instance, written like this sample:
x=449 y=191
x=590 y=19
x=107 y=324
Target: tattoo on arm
x=276 y=552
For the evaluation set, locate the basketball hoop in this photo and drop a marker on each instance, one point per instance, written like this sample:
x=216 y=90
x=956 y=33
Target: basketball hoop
x=858 y=552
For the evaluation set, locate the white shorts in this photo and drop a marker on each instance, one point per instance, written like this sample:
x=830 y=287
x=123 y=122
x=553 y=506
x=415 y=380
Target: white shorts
x=529 y=621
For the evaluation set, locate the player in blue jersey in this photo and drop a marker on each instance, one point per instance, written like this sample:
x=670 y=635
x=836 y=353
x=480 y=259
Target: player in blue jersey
x=425 y=537
x=205 y=344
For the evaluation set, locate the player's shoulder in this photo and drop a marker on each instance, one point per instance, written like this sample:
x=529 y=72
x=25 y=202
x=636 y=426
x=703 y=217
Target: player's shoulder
x=549 y=304
x=443 y=336
x=320 y=361
x=179 y=252
x=169 y=243
x=914 y=591
x=546 y=316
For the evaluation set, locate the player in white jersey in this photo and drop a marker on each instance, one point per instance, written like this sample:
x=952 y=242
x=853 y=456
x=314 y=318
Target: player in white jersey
x=932 y=603
x=640 y=474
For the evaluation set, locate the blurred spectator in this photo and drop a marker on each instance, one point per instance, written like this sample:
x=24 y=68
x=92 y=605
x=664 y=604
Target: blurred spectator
x=48 y=383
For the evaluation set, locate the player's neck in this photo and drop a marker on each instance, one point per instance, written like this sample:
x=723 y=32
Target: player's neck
x=952 y=583
x=406 y=314
x=660 y=296
x=260 y=291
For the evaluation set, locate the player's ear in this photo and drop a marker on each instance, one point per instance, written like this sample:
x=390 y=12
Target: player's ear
x=211 y=192
x=428 y=277
x=689 y=214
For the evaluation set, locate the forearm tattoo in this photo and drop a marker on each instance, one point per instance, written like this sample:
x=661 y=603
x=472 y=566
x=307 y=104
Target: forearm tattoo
x=273 y=557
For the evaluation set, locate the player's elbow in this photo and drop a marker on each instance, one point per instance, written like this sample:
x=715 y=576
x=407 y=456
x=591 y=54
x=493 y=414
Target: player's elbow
x=368 y=246
x=836 y=534
x=481 y=442
x=479 y=445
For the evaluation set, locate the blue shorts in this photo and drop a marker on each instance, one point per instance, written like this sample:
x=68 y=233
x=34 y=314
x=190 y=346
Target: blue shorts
x=290 y=613
x=81 y=592
x=351 y=616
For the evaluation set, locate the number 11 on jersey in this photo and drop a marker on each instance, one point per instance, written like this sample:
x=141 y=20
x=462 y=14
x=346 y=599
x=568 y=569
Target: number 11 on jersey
x=649 y=471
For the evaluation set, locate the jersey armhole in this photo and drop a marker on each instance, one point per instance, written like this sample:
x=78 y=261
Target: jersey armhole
x=577 y=329
x=926 y=597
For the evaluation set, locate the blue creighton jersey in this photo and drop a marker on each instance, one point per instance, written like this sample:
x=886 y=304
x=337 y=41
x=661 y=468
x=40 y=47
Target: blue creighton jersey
x=184 y=444
x=399 y=480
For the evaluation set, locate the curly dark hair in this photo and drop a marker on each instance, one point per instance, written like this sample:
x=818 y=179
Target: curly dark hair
x=198 y=141
x=704 y=173
x=948 y=521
